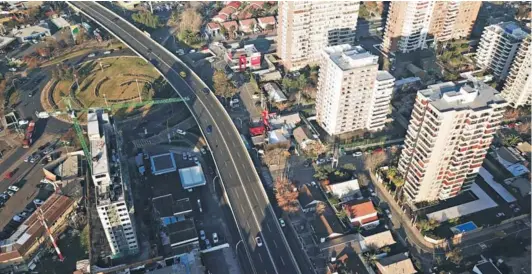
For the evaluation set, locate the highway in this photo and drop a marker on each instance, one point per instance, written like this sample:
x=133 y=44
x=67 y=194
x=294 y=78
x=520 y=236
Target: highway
x=252 y=211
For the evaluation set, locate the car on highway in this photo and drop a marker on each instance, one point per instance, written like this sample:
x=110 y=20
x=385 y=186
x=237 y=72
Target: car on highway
x=202 y=234
x=206 y=91
x=281 y=222
x=357 y=154
x=259 y=241
x=209 y=129
x=215 y=237
x=13 y=188
x=183 y=74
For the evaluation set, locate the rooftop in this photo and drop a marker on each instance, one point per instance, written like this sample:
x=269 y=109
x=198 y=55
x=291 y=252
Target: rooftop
x=348 y=57
x=398 y=263
x=192 y=177
x=450 y=96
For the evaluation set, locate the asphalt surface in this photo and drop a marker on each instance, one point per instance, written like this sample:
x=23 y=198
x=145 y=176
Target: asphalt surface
x=251 y=208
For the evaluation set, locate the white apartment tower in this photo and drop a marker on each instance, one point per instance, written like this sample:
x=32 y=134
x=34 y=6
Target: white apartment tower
x=450 y=131
x=518 y=87
x=111 y=204
x=352 y=93
x=497 y=48
x=305 y=28
x=407 y=25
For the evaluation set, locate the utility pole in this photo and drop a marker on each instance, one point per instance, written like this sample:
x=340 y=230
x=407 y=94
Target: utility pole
x=138 y=89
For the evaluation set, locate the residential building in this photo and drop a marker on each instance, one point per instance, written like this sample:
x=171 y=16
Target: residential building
x=112 y=203
x=362 y=214
x=305 y=28
x=498 y=46
x=410 y=23
x=518 y=87
x=352 y=93
x=407 y=26
x=398 y=263
x=453 y=19
x=450 y=131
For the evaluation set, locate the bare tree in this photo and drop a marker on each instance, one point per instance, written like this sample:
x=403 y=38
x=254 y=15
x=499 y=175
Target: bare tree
x=285 y=195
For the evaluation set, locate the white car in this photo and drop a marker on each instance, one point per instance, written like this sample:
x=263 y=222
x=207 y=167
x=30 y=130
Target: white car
x=180 y=132
x=38 y=202
x=13 y=188
x=214 y=237
x=259 y=241
x=357 y=154
x=202 y=234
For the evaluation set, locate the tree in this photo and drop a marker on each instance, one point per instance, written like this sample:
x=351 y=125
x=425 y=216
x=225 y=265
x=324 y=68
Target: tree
x=511 y=140
x=146 y=18
x=285 y=195
x=190 y=20
x=349 y=167
x=454 y=256
x=222 y=86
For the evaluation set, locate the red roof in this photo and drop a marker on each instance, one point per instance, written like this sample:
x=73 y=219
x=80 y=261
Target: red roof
x=361 y=210
x=269 y=20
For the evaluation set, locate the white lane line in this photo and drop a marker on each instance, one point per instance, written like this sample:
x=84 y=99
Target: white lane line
x=282 y=260
x=274 y=243
x=260 y=258
x=268 y=226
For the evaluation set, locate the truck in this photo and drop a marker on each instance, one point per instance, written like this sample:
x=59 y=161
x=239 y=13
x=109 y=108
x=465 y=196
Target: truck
x=28 y=137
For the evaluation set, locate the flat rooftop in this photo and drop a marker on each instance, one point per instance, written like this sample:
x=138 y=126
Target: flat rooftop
x=192 y=176
x=450 y=96
x=348 y=57
x=163 y=163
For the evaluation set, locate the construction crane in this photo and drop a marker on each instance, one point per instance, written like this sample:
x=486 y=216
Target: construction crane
x=40 y=215
x=73 y=113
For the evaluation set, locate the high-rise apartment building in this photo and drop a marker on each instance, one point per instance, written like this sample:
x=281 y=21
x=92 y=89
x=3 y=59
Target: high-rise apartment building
x=518 y=87
x=497 y=48
x=352 y=93
x=111 y=203
x=450 y=131
x=411 y=23
x=305 y=28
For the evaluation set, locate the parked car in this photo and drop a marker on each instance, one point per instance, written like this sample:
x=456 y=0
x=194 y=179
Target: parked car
x=202 y=235
x=215 y=237
x=259 y=241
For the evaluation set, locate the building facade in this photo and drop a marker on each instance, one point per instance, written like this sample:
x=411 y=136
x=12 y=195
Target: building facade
x=111 y=202
x=497 y=48
x=518 y=87
x=352 y=93
x=305 y=28
x=450 y=131
x=411 y=23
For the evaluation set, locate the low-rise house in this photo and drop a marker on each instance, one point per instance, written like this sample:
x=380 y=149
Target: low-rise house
x=248 y=25
x=275 y=94
x=512 y=161
x=362 y=214
x=266 y=23
x=345 y=191
x=398 y=263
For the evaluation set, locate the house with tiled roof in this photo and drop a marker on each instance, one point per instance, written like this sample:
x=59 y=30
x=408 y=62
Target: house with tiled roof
x=398 y=263
x=362 y=214
x=267 y=22
x=248 y=25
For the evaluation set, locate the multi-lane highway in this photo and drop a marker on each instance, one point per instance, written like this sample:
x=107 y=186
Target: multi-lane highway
x=250 y=206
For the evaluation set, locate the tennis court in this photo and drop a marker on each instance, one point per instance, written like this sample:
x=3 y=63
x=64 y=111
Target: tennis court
x=465 y=227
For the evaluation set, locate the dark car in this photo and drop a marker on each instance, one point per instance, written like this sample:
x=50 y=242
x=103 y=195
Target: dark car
x=209 y=129
x=206 y=91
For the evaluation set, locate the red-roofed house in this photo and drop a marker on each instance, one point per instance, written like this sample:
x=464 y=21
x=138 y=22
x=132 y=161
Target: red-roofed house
x=248 y=25
x=213 y=29
x=266 y=22
x=362 y=214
